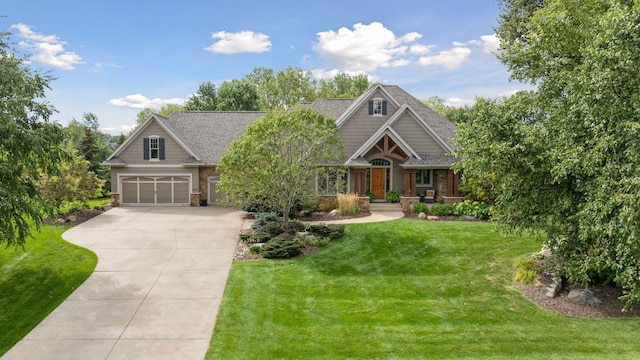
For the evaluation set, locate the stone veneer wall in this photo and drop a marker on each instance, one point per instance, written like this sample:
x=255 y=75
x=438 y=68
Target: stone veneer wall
x=203 y=180
x=115 y=200
x=440 y=176
x=407 y=202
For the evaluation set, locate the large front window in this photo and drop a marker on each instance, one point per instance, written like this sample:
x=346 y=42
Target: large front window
x=423 y=177
x=331 y=181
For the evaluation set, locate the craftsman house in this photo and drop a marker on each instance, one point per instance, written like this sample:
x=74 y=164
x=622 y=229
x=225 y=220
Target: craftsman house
x=391 y=142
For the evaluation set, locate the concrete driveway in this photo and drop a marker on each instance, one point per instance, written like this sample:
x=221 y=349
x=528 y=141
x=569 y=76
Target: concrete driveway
x=155 y=292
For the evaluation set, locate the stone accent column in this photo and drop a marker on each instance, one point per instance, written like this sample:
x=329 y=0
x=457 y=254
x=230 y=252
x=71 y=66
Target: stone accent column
x=363 y=203
x=115 y=200
x=409 y=182
x=195 y=199
x=407 y=202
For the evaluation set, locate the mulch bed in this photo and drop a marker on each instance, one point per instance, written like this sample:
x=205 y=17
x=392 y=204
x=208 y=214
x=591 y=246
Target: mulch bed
x=609 y=294
x=76 y=217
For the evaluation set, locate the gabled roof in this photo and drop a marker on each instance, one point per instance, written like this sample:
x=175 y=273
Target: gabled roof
x=333 y=108
x=203 y=135
x=387 y=129
x=362 y=101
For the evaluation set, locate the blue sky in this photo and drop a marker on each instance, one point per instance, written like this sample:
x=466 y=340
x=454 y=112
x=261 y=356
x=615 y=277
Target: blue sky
x=113 y=58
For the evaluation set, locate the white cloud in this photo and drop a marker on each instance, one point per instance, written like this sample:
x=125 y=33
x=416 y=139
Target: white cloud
x=420 y=49
x=458 y=102
x=450 y=59
x=366 y=47
x=99 y=66
x=240 y=42
x=139 y=101
x=49 y=49
x=491 y=43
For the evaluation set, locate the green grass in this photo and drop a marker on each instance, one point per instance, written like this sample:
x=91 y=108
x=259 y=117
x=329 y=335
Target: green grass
x=404 y=290
x=35 y=281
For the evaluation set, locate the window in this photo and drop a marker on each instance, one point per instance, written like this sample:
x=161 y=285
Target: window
x=377 y=107
x=331 y=181
x=423 y=177
x=154 y=149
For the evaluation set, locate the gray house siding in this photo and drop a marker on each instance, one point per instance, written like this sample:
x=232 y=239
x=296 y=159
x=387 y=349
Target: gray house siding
x=361 y=125
x=415 y=135
x=174 y=154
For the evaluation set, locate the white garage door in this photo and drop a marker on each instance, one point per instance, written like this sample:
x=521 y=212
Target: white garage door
x=155 y=190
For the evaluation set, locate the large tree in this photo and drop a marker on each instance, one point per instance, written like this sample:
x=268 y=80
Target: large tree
x=276 y=160
x=30 y=145
x=237 y=95
x=566 y=155
x=282 y=89
x=205 y=99
x=344 y=86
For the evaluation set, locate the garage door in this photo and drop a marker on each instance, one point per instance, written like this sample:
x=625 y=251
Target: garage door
x=155 y=190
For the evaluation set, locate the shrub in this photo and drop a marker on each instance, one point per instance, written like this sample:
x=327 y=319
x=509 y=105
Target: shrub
x=526 y=271
x=420 y=208
x=262 y=218
x=294 y=227
x=255 y=249
x=371 y=196
x=348 y=204
x=393 y=196
x=271 y=228
x=441 y=209
x=332 y=231
x=256 y=238
x=477 y=209
x=278 y=248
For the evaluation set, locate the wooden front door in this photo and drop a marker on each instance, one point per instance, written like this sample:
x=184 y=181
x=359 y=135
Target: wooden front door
x=378 y=181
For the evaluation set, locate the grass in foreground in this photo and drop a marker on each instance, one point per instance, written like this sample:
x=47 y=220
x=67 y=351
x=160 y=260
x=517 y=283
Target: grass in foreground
x=404 y=290
x=35 y=281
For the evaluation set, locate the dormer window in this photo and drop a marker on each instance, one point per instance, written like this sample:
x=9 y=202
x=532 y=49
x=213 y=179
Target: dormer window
x=153 y=148
x=377 y=107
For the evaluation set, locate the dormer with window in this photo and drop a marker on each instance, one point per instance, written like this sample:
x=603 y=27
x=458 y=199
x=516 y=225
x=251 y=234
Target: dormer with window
x=377 y=107
x=153 y=148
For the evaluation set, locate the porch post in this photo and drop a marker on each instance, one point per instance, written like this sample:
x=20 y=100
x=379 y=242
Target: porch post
x=409 y=182
x=360 y=179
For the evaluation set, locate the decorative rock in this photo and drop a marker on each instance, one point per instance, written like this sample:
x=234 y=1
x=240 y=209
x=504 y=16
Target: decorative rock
x=72 y=218
x=431 y=217
x=584 y=296
x=333 y=212
x=468 y=217
x=62 y=221
x=422 y=216
x=553 y=290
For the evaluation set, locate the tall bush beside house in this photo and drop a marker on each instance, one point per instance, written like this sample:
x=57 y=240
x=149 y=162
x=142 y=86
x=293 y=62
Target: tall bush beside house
x=276 y=160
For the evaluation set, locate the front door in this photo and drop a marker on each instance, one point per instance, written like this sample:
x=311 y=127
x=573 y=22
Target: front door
x=378 y=181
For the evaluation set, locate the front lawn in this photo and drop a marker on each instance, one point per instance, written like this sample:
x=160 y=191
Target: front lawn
x=35 y=281
x=404 y=290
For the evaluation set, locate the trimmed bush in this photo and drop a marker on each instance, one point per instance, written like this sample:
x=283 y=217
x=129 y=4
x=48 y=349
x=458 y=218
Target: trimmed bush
x=278 y=248
x=294 y=226
x=442 y=209
x=348 y=204
x=420 y=208
x=262 y=218
x=332 y=231
x=272 y=228
x=393 y=196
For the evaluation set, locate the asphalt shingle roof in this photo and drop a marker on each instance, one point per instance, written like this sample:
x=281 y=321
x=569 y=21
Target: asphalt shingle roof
x=209 y=134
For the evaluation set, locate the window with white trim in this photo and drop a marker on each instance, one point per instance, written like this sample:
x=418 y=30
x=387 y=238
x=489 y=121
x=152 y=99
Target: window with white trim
x=377 y=106
x=424 y=177
x=154 y=148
